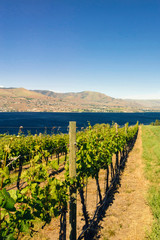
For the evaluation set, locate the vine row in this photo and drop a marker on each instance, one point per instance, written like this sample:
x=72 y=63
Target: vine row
x=44 y=196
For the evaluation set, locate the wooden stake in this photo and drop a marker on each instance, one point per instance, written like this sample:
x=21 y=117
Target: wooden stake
x=116 y=152
x=126 y=128
x=72 y=174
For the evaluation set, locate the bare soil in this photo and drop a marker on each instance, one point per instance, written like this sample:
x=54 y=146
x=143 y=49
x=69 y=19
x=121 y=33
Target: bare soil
x=129 y=217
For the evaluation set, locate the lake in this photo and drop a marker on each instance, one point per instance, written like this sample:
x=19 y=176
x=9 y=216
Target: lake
x=58 y=122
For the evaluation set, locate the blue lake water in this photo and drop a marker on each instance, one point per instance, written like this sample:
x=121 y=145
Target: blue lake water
x=58 y=122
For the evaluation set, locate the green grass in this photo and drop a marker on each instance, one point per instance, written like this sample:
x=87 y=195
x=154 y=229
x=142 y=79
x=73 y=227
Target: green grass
x=151 y=156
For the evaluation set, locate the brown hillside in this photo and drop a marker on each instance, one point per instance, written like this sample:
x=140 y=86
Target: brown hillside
x=19 y=92
x=20 y=99
x=86 y=96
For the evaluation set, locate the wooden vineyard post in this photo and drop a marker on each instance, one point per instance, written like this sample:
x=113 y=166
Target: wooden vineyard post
x=117 y=164
x=126 y=129
x=72 y=174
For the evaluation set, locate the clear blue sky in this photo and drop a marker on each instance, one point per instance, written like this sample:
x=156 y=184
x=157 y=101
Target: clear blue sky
x=109 y=46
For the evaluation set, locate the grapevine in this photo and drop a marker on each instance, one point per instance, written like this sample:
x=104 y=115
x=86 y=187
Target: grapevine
x=43 y=196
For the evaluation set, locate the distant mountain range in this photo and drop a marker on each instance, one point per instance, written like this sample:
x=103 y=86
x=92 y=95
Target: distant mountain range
x=23 y=100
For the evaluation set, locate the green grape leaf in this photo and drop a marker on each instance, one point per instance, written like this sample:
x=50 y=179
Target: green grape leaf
x=10 y=202
x=24 y=227
x=54 y=165
x=13 y=194
x=2 y=199
x=10 y=237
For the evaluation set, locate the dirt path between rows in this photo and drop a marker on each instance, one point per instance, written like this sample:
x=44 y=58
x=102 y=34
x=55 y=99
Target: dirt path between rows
x=129 y=217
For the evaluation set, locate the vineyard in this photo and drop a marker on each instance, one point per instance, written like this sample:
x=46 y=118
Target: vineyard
x=36 y=182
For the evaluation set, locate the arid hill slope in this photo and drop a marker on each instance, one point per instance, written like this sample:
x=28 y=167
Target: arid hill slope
x=23 y=100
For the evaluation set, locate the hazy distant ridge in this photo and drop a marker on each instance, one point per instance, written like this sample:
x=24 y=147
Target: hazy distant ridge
x=72 y=96
x=20 y=99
